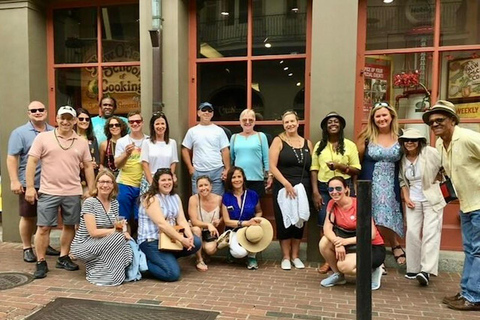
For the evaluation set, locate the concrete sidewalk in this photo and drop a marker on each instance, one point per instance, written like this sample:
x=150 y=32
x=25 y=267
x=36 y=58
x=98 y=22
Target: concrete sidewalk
x=237 y=293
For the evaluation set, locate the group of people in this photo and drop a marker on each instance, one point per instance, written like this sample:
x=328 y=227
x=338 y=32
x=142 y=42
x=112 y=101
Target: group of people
x=123 y=172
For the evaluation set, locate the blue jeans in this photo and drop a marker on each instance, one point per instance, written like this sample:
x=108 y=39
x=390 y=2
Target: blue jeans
x=470 y=283
x=128 y=201
x=216 y=177
x=163 y=265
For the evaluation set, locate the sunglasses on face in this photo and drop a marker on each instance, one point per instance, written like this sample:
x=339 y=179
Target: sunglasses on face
x=114 y=125
x=37 y=110
x=83 y=119
x=410 y=140
x=206 y=110
x=107 y=104
x=135 y=121
x=332 y=189
x=438 y=120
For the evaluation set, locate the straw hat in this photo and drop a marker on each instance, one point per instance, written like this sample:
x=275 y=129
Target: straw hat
x=256 y=238
x=443 y=107
x=332 y=114
x=411 y=133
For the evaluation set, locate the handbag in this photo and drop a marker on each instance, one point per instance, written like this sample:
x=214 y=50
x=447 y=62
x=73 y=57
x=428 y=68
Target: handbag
x=207 y=236
x=344 y=233
x=223 y=240
x=165 y=243
x=448 y=191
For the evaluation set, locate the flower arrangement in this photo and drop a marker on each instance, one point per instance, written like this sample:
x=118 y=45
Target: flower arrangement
x=406 y=79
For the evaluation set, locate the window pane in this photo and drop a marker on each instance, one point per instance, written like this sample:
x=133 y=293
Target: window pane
x=75 y=35
x=221 y=28
x=460 y=23
x=123 y=83
x=279 y=27
x=278 y=85
x=225 y=86
x=401 y=80
x=120 y=33
x=77 y=88
x=400 y=24
x=460 y=81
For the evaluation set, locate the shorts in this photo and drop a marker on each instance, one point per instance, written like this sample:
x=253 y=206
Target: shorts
x=47 y=210
x=378 y=255
x=26 y=209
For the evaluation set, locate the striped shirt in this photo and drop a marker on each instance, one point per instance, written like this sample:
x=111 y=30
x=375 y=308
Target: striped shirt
x=147 y=229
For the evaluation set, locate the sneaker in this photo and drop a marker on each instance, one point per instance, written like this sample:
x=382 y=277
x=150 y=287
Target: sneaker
x=449 y=299
x=376 y=278
x=286 y=265
x=52 y=252
x=464 y=305
x=411 y=275
x=298 y=264
x=29 y=255
x=41 y=270
x=252 y=264
x=423 y=278
x=66 y=263
x=333 y=280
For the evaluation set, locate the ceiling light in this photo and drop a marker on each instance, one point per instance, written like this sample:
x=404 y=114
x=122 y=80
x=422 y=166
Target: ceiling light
x=286 y=68
x=290 y=74
x=281 y=61
x=299 y=84
x=268 y=45
x=295 y=10
x=225 y=13
x=387 y=1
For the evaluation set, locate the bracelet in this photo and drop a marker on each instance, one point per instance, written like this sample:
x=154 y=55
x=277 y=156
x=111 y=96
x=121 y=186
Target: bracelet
x=239 y=223
x=270 y=174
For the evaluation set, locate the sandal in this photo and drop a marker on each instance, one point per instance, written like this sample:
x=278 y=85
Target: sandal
x=400 y=256
x=201 y=266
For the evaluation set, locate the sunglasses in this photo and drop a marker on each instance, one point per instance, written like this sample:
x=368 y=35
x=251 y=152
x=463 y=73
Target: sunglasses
x=438 y=120
x=410 y=140
x=381 y=105
x=114 y=125
x=206 y=110
x=332 y=189
x=37 y=110
x=107 y=104
x=158 y=114
x=84 y=119
x=135 y=121
x=161 y=171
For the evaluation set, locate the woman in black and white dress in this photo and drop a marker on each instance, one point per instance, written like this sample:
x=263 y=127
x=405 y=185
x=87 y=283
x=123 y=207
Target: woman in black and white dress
x=104 y=250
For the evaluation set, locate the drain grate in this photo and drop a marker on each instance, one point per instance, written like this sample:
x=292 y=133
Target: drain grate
x=79 y=309
x=10 y=280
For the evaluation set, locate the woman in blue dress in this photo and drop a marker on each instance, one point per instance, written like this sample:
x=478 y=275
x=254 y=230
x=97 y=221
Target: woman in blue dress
x=379 y=148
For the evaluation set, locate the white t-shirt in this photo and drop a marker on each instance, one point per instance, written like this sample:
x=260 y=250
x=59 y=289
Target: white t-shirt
x=131 y=173
x=413 y=172
x=206 y=143
x=159 y=154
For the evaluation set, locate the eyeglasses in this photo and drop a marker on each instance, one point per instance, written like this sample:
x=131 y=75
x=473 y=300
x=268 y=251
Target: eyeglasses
x=104 y=182
x=410 y=140
x=114 y=125
x=37 y=110
x=332 y=189
x=206 y=110
x=84 y=119
x=158 y=114
x=438 y=120
x=135 y=121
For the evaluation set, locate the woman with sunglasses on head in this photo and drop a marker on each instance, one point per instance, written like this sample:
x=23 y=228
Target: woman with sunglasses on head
x=290 y=161
x=159 y=151
x=332 y=156
x=380 y=153
x=114 y=129
x=249 y=150
x=98 y=242
x=424 y=202
x=161 y=210
x=85 y=130
x=338 y=245
x=204 y=212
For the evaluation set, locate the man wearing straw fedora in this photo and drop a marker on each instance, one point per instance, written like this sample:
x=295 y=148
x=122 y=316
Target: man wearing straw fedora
x=460 y=153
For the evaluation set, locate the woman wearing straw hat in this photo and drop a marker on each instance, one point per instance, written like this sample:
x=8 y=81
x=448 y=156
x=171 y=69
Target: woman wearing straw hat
x=332 y=156
x=424 y=202
x=241 y=208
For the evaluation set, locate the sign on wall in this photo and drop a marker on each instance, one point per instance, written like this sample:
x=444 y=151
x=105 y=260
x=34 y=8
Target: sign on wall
x=377 y=82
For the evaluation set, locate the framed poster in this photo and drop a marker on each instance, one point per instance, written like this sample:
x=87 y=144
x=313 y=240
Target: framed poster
x=463 y=84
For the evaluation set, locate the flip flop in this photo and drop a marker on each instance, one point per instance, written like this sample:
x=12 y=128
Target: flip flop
x=201 y=266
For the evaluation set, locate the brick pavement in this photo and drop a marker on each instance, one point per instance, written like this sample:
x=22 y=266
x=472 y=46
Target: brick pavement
x=237 y=293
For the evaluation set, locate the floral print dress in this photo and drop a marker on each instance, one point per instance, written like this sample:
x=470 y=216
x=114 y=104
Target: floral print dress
x=381 y=165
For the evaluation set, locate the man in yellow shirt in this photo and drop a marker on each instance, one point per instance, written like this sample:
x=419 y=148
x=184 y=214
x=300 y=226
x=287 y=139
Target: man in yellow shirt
x=460 y=153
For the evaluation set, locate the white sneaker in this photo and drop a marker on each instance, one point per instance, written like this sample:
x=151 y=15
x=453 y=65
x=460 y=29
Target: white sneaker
x=333 y=280
x=376 y=278
x=298 y=263
x=286 y=265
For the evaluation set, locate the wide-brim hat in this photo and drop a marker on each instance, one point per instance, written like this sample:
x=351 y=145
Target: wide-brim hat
x=333 y=114
x=444 y=107
x=256 y=238
x=411 y=133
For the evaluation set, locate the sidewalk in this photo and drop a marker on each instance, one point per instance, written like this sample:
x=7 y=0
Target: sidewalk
x=235 y=292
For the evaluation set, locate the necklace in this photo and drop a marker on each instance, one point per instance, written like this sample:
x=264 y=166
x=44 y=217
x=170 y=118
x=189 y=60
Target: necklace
x=135 y=140
x=58 y=141
x=298 y=155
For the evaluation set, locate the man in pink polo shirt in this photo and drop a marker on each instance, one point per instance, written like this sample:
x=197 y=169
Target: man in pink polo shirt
x=61 y=152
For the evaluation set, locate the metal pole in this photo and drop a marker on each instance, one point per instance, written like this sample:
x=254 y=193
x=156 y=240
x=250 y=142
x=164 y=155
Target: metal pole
x=364 y=250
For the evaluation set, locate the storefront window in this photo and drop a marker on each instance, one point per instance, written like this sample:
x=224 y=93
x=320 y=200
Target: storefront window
x=80 y=76
x=400 y=24
x=460 y=22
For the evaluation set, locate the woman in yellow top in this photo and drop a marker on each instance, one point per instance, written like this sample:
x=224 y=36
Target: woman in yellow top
x=332 y=156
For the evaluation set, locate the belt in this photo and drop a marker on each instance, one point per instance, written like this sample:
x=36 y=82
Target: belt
x=151 y=239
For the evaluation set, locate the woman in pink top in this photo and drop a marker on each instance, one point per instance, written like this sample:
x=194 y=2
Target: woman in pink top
x=338 y=245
